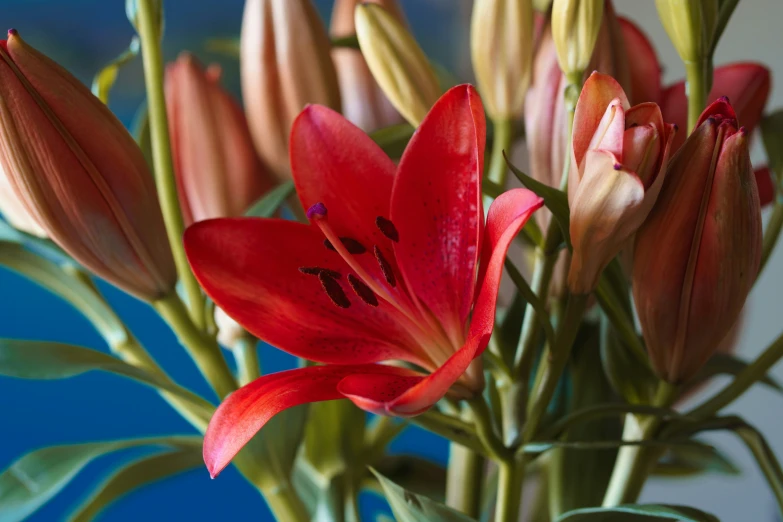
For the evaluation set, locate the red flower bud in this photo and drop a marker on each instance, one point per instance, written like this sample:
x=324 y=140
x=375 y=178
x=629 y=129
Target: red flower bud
x=79 y=173
x=697 y=255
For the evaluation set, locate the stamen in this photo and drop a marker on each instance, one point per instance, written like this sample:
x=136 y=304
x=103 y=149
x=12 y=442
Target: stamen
x=386 y=268
x=334 y=290
x=387 y=228
x=362 y=290
x=317 y=211
x=315 y=270
x=350 y=244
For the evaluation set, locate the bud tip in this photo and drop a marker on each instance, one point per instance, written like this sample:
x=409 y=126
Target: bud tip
x=317 y=211
x=13 y=32
x=618 y=166
x=724 y=99
x=743 y=131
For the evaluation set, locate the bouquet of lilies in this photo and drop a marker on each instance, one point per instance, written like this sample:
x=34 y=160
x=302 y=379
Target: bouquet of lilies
x=361 y=212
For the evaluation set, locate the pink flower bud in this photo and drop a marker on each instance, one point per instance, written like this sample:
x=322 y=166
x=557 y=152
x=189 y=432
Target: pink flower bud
x=218 y=172
x=12 y=209
x=619 y=154
x=79 y=173
x=697 y=255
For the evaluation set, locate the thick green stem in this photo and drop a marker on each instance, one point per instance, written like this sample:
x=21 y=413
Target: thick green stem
x=464 y=480
x=553 y=364
x=245 y=351
x=771 y=235
x=634 y=463
x=509 y=499
x=696 y=84
x=285 y=503
x=501 y=141
x=149 y=34
x=204 y=350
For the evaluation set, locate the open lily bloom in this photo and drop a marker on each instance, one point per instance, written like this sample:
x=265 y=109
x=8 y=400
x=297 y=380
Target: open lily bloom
x=395 y=266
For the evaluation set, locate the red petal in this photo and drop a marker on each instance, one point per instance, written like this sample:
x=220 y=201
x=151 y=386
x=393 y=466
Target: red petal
x=765 y=185
x=745 y=84
x=373 y=393
x=644 y=66
x=507 y=215
x=436 y=207
x=245 y=411
x=250 y=267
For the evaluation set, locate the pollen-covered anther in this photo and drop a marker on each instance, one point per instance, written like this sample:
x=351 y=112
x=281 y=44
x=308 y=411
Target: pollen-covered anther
x=351 y=245
x=362 y=290
x=315 y=270
x=386 y=268
x=387 y=228
x=333 y=290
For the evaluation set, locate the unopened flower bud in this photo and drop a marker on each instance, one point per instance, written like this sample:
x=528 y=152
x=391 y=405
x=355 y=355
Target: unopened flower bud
x=80 y=174
x=364 y=102
x=575 y=26
x=697 y=255
x=12 y=209
x=397 y=62
x=501 y=44
x=690 y=25
x=218 y=172
x=285 y=64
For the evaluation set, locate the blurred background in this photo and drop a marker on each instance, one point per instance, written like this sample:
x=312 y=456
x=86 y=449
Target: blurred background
x=83 y=35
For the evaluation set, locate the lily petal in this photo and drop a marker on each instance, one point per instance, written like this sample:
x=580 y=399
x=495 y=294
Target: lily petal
x=241 y=265
x=245 y=411
x=644 y=66
x=436 y=207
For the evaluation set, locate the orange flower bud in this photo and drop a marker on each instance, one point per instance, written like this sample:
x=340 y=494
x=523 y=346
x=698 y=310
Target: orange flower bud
x=285 y=64
x=697 y=255
x=80 y=174
x=218 y=172
x=364 y=102
x=13 y=210
x=619 y=155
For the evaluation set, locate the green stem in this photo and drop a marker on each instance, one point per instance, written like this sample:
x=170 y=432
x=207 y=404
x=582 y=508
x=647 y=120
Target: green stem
x=149 y=34
x=380 y=434
x=771 y=235
x=464 y=480
x=696 y=84
x=752 y=373
x=509 y=499
x=285 y=503
x=204 y=350
x=634 y=463
x=502 y=139
x=245 y=351
x=482 y=419
x=553 y=364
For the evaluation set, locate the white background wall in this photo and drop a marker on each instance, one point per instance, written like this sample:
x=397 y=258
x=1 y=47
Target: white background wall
x=754 y=33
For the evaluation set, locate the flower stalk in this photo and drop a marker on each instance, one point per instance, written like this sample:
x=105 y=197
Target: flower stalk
x=696 y=85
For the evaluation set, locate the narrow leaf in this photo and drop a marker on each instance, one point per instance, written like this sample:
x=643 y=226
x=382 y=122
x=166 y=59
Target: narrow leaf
x=637 y=513
x=684 y=461
x=394 y=139
x=727 y=364
x=414 y=474
x=410 y=507
x=48 y=360
x=271 y=201
x=772 y=136
x=104 y=80
x=38 y=476
x=541 y=447
x=134 y=475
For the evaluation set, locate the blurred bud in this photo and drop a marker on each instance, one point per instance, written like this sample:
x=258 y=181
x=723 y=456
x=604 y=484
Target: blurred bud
x=364 y=103
x=229 y=331
x=619 y=154
x=766 y=185
x=697 y=255
x=542 y=6
x=13 y=210
x=746 y=84
x=285 y=64
x=218 y=172
x=501 y=44
x=690 y=25
x=80 y=174
x=397 y=62
x=575 y=26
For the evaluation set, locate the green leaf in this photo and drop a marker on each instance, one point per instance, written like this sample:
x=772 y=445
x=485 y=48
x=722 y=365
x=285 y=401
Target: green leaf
x=414 y=474
x=35 y=478
x=104 y=80
x=772 y=136
x=684 y=461
x=394 y=139
x=271 y=201
x=450 y=428
x=48 y=360
x=134 y=475
x=727 y=364
x=43 y=246
x=530 y=297
x=592 y=445
x=410 y=507
x=555 y=200
x=140 y=128
x=600 y=411
x=637 y=513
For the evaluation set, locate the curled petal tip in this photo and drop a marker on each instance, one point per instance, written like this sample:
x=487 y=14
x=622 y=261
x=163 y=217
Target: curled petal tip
x=317 y=211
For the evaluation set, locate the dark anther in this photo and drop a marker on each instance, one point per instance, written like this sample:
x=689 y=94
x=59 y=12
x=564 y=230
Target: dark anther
x=334 y=290
x=386 y=268
x=315 y=270
x=350 y=244
x=387 y=228
x=362 y=290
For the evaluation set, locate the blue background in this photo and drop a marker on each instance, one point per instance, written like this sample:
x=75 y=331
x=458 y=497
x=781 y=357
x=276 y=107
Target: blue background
x=83 y=35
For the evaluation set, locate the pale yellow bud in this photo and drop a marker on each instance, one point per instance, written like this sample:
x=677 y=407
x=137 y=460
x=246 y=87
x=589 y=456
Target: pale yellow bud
x=690 y=25
x=575 y=26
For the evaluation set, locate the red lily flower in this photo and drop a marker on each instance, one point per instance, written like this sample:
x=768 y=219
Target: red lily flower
x=386 y=271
